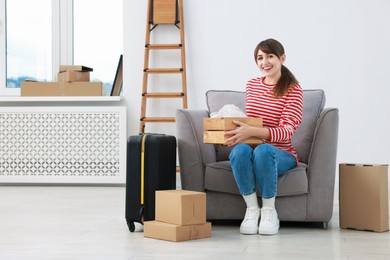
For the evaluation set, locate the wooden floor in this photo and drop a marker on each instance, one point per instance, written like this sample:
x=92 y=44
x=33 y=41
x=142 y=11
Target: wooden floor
x=48 y=222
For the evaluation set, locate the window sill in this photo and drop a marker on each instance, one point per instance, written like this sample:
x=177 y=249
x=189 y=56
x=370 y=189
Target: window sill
x=60 y=98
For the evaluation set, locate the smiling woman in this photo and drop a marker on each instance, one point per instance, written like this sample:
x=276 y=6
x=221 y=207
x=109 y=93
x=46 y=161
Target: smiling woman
x=34 y=43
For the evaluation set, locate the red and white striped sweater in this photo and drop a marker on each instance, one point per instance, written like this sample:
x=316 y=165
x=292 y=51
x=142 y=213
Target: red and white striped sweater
x=281 y=115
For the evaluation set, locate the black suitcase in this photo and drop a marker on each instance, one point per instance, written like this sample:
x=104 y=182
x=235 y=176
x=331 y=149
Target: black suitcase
x=151 y=166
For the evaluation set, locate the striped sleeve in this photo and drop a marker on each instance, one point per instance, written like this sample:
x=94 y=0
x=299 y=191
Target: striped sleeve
x=290 y=118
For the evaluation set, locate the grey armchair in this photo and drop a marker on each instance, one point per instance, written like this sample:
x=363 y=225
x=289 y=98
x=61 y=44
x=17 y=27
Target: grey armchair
x=305 y=193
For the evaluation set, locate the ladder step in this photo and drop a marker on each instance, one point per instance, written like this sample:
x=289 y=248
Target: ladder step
x=164 y=95
x=158 y=119
x=163 y=46
x=163 y=70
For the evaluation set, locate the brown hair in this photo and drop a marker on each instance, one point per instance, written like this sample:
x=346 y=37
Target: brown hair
x=272 y=46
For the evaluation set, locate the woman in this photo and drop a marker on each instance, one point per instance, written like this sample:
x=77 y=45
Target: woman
x=278 y=99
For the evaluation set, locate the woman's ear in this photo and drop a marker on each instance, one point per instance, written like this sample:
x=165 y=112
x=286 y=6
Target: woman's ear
x=283 y=58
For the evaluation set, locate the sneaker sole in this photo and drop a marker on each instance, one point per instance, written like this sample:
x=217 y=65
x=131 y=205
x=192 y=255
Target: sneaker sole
x=268 y=231
x=248 y=231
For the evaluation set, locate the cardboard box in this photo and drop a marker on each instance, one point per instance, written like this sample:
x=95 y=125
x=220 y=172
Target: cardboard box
x=218 y=137
x=74 y=67
x=33 y=88
x=73 y=76
x=181 y=207
x=363 y=197
x=172 y=232
x=226 y=123
x=214 y=128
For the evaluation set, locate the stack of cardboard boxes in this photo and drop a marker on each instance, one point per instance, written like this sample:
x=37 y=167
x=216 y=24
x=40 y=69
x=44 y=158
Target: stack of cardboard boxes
x=71 y=81
x=180 y=216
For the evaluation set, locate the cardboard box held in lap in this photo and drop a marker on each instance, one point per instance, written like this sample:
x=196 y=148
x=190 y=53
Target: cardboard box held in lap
x=214 y=128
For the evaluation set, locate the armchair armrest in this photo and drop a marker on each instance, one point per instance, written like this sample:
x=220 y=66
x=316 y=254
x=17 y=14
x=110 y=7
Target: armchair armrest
x=193 y=153
x=322 y=165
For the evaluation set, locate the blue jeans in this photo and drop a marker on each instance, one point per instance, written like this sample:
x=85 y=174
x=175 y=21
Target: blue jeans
x=260 y=167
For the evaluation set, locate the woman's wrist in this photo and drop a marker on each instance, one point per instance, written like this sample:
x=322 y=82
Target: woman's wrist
x=262 y=133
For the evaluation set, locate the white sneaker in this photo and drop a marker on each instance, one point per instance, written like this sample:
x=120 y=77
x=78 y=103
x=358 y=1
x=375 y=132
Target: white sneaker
x=251 y=220
x=269 y=223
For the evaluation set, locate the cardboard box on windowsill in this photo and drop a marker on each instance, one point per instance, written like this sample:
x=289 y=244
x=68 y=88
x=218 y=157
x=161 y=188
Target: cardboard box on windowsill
x=74 y=67
x=34 y=88
x=73 y=76
x=363 y=197
x=214 y=128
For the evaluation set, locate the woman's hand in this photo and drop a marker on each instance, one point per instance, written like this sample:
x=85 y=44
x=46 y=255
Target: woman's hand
x=238 y=135
x=243 y=132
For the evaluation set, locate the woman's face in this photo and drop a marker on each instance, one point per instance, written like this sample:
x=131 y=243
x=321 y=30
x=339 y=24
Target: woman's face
x=270 y=65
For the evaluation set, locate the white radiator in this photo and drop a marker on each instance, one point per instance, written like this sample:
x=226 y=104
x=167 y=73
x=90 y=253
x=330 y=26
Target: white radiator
x=63 y=144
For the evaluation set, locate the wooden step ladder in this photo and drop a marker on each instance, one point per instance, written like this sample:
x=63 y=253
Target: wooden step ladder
x=163 y=12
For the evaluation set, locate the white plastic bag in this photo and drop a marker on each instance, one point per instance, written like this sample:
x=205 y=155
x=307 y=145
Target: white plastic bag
x=229 y=111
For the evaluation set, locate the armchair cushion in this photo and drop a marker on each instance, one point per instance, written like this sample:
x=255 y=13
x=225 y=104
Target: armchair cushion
x=313 y=104
x=216 y=99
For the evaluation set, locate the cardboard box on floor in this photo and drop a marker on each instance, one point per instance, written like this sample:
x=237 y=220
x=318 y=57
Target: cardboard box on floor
x=176 y=233
x=181 y=207
x=180 y=216
x=33 y=88
x=214 y=128
x=363 y=197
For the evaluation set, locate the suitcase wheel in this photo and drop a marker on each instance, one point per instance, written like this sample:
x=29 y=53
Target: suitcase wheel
x=131 y=226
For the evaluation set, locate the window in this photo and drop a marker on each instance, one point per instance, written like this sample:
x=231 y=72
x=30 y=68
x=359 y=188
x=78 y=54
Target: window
x=98 y=38
x=28 y=41
x=34 y=43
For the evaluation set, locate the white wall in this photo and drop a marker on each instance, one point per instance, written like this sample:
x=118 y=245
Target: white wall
x=341 y=46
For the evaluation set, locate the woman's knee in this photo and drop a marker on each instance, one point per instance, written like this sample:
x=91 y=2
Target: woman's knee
x=240 y=150
x=264 y=151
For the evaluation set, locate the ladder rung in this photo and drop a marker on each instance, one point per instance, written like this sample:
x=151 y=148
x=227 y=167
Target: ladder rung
x=164 y=95
x=163 y=46
x=158 y=119
x=164 y=70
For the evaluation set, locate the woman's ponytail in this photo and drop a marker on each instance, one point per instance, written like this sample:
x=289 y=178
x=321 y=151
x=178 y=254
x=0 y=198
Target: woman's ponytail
x=286 y=80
